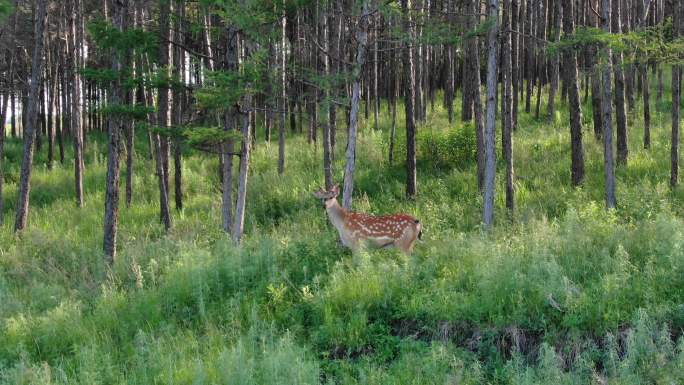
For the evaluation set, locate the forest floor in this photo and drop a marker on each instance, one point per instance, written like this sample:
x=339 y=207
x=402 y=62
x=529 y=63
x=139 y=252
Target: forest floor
x=562 y=291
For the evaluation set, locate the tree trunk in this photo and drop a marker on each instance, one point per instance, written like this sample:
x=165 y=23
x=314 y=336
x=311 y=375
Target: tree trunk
x=571 y=76
x=3 y=117
x=394 y=99
x=490 y=126
x=76 y=121
x=163 y=117
x=540 y=67
x=530 y=45
x=555 y=60
x=676 y=100
x=376 y=97
x=606 y=110
x=283 y=103
x=620 y=111
x=227 y=176
x=362 y=39
x=515 y=59
x=409 y=106
x=472 y=89
x=178 y=105
x=507 y=105
x=51 y=84
x=240 y=206
x=29 y=131
x=116 y=97
x=647 y=108
x=325 y=106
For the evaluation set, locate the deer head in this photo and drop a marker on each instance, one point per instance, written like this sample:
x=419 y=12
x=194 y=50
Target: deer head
x=328 y=197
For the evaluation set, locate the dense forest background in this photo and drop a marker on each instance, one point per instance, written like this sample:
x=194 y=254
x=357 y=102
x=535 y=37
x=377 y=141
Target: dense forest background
x=158 y=158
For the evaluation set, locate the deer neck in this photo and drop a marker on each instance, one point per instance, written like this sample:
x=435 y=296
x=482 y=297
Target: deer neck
x=337 y=215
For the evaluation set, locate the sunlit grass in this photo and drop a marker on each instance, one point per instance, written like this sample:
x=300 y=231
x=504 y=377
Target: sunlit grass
x=561 y=292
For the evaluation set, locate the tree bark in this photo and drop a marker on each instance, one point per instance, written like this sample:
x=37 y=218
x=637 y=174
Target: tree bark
x=283 y=96
x=163 y=116
x=555 y=60
x=515 y=59
x=116 y=97
x=325 y=107
x=409 y=106
x=29 y=130
x=620 y=110
x=362 y=39
x=178 y=105
x=240 y=206
x=490 y=126
x=571 y=76
x=76 y=116
x=676 y=100
x=3 y=117
x=507 y=105
x=472 y=89
x=606 y=110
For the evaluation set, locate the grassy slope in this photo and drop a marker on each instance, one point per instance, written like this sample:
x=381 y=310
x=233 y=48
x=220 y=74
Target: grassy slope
x=564 y=293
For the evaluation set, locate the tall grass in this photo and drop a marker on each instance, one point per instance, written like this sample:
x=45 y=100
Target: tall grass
x=561 y=292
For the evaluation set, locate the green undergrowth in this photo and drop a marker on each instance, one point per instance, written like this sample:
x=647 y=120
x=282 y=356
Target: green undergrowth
x=560 y=292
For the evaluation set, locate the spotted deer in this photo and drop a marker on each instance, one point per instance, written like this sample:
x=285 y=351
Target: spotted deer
x=398 y=230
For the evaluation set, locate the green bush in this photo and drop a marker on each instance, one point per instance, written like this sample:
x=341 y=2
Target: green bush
x=453 y=148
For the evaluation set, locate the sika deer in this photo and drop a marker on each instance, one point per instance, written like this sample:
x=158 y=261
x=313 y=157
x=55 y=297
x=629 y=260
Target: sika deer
x=399 y=230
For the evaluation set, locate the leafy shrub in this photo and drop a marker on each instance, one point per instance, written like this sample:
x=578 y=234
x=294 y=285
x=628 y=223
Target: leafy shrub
x=444 y=149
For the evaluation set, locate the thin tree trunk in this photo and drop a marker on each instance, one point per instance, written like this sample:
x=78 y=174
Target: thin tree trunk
x=647 y=108
x=571 y=78
x=676 y=100
x=3 y=117
x=376 y=97
x=490 y=126
x=362 y=39
x=409 y=105
x=394 y=97
x=227 y=176
x=240 y=206
x=163 y=117
x=606 y=108
x=472 y=89
x=29 y=130
x=76 y=116
x=540 y=57
x=555 y=60
x=283 y=96
x=178 y=107
x=531 y=48
x=325 y=106
x=515 y=59
x=620 y=111
x=111 y=217
x=507 y=126
x=52 y=94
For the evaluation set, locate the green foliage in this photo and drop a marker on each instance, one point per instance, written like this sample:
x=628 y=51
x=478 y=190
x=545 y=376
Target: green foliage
x=225 y=89
x=453 y=148
x=135 y=112
x=208 y=136
x=6 y=8
x=563 y=292
x=652 y=44
x=102 y=76
x=108 y=37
